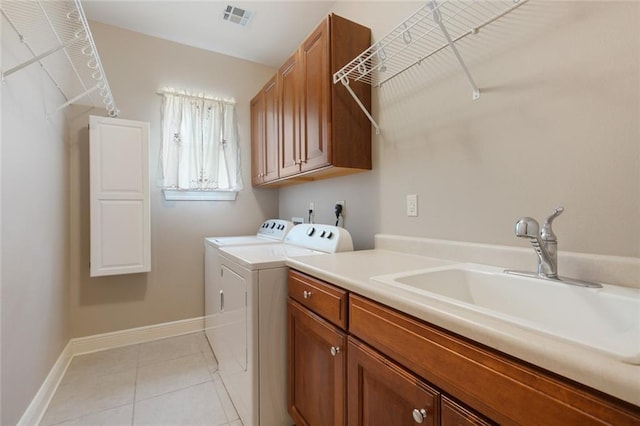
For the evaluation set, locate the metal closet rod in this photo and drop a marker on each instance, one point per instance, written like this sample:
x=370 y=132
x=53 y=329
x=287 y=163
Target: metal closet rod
x=176 y=92
x=107 y=100
x=82 y=34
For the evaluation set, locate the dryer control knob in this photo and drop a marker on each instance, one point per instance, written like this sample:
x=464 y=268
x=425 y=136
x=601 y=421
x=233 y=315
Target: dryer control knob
x=311 y=231
x=329 y=234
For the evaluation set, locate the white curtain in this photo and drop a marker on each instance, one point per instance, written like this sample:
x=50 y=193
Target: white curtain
x=200 y=149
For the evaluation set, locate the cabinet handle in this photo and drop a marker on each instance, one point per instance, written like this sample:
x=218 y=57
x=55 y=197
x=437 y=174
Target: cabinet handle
x=419 y=415
x=335 y=350
x=306 y=294
x=221 y=300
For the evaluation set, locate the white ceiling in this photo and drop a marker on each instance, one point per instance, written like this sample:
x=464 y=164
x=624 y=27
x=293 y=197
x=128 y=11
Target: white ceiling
x=274 y=32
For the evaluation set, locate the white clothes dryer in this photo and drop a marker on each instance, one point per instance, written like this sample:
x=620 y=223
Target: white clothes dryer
x=271 y=231
x=251 y=340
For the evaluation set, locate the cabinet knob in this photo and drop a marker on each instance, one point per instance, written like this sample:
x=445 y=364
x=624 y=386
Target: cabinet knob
x=306 y=294
x=419 y=415
x=335 y=350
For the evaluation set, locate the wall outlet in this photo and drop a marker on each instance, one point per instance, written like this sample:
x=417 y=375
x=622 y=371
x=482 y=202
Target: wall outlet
x=412 y=205
x=312 y=206
x=342 y=203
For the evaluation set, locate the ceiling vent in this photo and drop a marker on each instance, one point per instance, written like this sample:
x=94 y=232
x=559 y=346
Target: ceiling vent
x=237 y=15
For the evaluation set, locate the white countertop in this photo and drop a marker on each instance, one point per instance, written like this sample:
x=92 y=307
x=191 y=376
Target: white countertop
x=353 y=270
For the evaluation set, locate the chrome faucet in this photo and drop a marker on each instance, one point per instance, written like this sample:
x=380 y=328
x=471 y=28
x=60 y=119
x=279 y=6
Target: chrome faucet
x=545 y=245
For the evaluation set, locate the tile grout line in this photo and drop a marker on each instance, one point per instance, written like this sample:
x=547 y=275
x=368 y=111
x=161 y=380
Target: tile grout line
x=135 y=388
x=175 y=390
x=87 y=414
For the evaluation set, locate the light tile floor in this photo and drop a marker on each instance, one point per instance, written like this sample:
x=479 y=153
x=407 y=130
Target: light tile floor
x=165 y=382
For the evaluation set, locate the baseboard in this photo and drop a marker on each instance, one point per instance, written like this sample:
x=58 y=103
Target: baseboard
x=40 y=402
x=132 y=336
x=99 y=342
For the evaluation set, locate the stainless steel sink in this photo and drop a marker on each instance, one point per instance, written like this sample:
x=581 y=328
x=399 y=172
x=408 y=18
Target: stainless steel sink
x=606 y=319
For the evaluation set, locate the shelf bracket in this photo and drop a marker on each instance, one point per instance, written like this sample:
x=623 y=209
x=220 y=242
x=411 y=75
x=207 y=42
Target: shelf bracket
x=70 y=101
x=345 y=82
x=437 y=17
x=37 y=58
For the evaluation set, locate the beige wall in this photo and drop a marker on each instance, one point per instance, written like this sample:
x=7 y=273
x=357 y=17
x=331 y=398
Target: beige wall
x=557 y=124
x=35 y=231
x=137 y=66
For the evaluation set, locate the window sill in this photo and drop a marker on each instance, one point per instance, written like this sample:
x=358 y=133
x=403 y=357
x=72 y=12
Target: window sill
x=177 y=195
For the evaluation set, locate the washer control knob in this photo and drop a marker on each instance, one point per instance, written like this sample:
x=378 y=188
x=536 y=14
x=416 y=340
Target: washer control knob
x=273 y=225
x=322 y=234
x=311 y=231
x=329 y=234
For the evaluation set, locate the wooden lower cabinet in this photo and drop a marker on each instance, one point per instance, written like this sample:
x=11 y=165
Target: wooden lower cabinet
x=380 y=393
x=455 y=414
x=387 y=365
x=317 y=369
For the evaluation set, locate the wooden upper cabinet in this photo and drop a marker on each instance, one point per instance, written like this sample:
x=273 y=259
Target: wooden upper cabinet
x=289 y=120
x=316 y=101
x=350 y=128
x=322 y=131
x=264 y=134
x=257 y=139
x=270 y=90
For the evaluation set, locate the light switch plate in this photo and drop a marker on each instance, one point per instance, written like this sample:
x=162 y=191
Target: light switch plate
x=412 y=205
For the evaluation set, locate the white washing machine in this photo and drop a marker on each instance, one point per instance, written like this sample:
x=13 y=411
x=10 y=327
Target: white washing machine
x=251 y=341
x=271 y=231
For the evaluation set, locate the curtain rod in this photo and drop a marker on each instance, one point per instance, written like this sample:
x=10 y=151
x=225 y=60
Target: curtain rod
x=161 y=92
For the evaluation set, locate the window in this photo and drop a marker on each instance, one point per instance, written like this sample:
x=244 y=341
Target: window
x=200 y=154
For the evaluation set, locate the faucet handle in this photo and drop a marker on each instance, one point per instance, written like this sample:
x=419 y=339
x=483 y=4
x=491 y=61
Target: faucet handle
x=547 y=232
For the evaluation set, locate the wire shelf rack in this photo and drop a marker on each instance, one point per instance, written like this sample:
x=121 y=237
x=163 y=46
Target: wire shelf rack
x=434 y=27
x=57 y=35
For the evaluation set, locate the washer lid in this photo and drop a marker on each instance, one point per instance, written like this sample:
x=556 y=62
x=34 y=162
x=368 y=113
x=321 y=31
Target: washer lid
x=264 y=256
x=242 y=240
x=271 y=231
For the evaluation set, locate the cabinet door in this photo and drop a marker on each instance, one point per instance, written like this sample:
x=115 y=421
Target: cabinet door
x=382 y=393
x=271 y=130
x=119 y=196
x=258 y=139
x=316 y=81
x=316 y=364
x=454 y=414
x=288 y=82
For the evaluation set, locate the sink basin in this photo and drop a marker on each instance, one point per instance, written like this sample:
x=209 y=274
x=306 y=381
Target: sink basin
x=606 y=319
